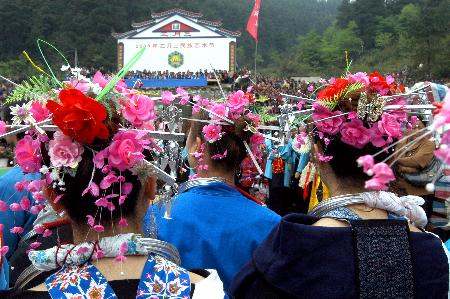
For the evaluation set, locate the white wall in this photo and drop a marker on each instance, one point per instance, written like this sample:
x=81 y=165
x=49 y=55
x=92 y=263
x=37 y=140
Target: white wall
x=202 y=53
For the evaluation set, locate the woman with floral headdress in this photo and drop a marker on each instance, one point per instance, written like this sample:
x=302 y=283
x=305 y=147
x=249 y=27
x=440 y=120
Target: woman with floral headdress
x=211 y=222
x=363 y=242
x=97 y=175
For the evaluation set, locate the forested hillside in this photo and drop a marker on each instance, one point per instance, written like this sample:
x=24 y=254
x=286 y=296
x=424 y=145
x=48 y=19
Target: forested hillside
x=297 y=37
x=87 y=25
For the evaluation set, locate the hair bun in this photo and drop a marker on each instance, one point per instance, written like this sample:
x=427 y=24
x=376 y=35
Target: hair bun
x=241 y=128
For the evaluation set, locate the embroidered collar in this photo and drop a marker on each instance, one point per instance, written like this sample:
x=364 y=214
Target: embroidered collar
x=110 y=247
x=407 y=206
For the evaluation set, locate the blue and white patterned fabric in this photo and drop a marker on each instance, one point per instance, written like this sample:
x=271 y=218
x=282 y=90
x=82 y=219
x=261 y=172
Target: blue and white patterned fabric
x=163 y=279
x=85 y=281
x=160 y=279
x=270 y=158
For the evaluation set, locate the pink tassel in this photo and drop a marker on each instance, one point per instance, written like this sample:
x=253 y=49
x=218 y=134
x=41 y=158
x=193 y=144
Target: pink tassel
x=3 y=206
x=25 y=203
x=16 y=230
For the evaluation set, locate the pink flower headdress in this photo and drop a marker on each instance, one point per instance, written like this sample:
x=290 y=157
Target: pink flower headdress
x=368 y=109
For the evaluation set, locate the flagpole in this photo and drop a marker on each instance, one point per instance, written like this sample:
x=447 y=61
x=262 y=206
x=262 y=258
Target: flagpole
x=256 y=55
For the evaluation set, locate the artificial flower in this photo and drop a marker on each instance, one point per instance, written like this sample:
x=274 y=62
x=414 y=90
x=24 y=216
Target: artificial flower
x=126 y=149
x=108 y=180
x=325 y=120
x=184 y=96
x=63 y=151
x=355 y=134
x=443 y=153
x=79 y=116
x=378 y=84
x=359 y=77
x=167 y=97
x=323 y=158
x=219 y=112
x=2 y=127
x=27 y=154
x=22 y=114
x=212 y=133
x=138 y=109
x=330 y=95
x=39 y=111
x=390 y=126
x=366 y=162
x=237 y=101
x=382 y=175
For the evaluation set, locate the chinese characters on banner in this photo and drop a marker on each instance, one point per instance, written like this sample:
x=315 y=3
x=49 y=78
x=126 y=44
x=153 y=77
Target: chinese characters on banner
x=166 y=45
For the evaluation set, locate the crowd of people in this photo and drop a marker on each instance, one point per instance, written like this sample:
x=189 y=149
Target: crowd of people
x=222 y=75
x=82 y=214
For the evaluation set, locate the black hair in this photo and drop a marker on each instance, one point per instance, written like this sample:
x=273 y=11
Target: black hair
x=78 y=206
x=232 y=142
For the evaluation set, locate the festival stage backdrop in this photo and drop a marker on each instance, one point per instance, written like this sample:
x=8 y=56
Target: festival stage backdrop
x=178 y=41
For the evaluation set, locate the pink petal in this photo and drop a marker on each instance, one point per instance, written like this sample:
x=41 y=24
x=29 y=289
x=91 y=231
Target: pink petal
x=39 y=229
x=99 y=228
x=47 y=233
x=90 y=220
x=25 y=203
x=15 y=207
x=35 y=245
x=127 y=188
x=3 y=206
x=4 y=250
x=123 y=222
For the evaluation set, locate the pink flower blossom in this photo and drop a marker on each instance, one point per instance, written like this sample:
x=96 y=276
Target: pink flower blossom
x=126 y=149
x=82 y=250
x=35 y=185
x=390 y=79
x=355 y=134
x=443 y=154
x=212 y=133
x=257 y=139
x=167 y=97
x=376 y=136
x=138 y=109
x=63 y=151
x=359 y=77
x=310 y=88
x=237 y=101
x=366 y=162
x=352 y=115
x=254 y=118
x=39 y=229
x=27 y=154
x=36 y=209
x=2 y=127
x=81 y=85
x=20 y=186
x=25 y=203
x=184 y=96
x=329 y=126
x=218 y=109
x=390 y=126
x=300 y=139
x=39 y=111
x=100 y=79
x=383 y=174
x=300 y=105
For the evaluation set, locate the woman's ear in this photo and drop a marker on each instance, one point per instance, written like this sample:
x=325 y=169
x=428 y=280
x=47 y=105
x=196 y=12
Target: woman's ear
x=150 y=190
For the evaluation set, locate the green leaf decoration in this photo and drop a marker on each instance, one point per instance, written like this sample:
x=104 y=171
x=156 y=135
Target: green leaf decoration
x=34 y=88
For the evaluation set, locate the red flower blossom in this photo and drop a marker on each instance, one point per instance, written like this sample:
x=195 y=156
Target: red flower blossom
x=378 y=83
x=79 y=116
x=334 y=91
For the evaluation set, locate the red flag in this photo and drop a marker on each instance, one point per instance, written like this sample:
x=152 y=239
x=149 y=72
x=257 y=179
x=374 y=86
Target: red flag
x=252 y=24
